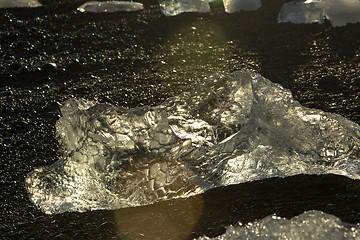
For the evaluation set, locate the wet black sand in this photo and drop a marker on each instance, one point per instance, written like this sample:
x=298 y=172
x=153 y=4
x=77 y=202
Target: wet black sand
x=141 y=58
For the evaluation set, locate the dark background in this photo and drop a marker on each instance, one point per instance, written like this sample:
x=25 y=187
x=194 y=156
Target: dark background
x=142 y=58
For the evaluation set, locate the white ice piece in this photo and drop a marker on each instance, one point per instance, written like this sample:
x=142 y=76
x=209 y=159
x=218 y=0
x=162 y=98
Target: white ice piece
x=310 y=11
x=232 y=6
x=110 y=6
x=175 y=7
x=230 y=129
x=19 y=3
x=308 y=225
x=341 y=12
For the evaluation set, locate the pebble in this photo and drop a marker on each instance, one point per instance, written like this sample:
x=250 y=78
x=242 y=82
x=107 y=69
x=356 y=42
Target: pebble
x=16 y=66
x=75 y=66
x=43 y=79
x=5 y=92
x=49 y=69
x=24 y=70
x=23 y=44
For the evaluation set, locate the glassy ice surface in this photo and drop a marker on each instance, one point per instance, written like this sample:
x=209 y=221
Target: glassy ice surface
x=230 y=129
x=110 y=6
x=19 y=3
x=302 y=12
x=232 y=6
x=341 y=12
x=309 y=225
x=175 y=7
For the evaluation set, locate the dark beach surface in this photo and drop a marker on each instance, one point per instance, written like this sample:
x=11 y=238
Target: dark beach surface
x=142 y=58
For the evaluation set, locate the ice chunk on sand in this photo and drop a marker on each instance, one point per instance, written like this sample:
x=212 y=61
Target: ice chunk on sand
x=338 y=12
x=19 y=3
x=110 y=6
x=175 y=7
x=308 y=225
x=230 y=129
x=341 y=12
x=302 y=12
x=232 y=6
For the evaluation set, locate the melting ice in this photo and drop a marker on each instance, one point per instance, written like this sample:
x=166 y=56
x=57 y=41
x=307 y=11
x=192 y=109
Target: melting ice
x=338 y=12
x=230 y=129
x=305 y=226
x=110 y=6
x=19 y=3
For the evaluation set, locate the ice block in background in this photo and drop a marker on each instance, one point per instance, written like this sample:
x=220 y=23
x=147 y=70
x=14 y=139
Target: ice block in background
x=175 y=7
x=341 y=12
x=302 y=12
x=338 y=12
x=110 y=6
x=19 y=3
x=232 y=6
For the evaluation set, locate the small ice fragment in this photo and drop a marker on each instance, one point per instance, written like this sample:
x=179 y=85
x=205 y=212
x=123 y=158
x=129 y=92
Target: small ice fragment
x=341 y=12
x=175 y=7
x=110 y=6
x=232 y=6
x=305 y=226
x=310 y=11
x=19 y=3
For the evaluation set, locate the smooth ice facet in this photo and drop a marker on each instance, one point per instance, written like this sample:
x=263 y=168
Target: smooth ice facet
x=175 y=7
x=232 y=6
x=341 y=12
x=19 y=3
x=309 y=225
x=110 y=6
x=302 y=12
x=230 y=129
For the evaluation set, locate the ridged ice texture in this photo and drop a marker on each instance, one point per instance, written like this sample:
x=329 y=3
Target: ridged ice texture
x=175 y=7
x=230 y=129
x=19 y=3
x=309 y=225
x=110 y=6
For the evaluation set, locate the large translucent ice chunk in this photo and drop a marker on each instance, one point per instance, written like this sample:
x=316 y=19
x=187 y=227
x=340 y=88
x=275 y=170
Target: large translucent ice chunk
x=309 y=225
x=310 y=11
x=19 y=3
x=341 y=12
x=110 y=6
x=230 y=129
x=175 y=7
x=232 y=6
